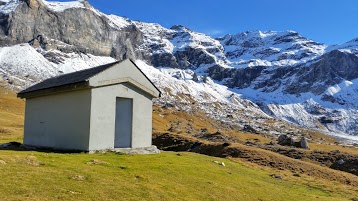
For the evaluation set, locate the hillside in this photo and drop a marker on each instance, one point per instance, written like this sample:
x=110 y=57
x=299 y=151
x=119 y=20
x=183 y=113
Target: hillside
x=251 y=173
x=167 y=176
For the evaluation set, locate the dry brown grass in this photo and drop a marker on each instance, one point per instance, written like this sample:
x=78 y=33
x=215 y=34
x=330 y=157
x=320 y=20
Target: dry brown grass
x=11 y=116
x=264 y=158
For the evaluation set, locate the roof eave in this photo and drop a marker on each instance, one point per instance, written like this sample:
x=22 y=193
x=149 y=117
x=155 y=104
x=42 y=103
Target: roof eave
x=54 y=90
x=160 y=93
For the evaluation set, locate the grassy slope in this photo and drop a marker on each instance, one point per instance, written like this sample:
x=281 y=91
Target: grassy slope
x=48 y=176
x=167 y=176
x=11 y=116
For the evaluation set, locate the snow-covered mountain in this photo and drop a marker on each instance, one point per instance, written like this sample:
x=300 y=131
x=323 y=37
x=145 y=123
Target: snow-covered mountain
x=241 y=79
x=269 y=48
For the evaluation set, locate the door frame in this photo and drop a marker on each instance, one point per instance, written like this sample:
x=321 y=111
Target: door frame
x=131 y=120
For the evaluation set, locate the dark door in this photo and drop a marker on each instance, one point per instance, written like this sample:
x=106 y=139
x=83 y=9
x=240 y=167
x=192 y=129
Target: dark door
x=123 y=129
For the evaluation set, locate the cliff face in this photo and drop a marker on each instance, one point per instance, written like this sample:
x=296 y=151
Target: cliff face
x=73 y=29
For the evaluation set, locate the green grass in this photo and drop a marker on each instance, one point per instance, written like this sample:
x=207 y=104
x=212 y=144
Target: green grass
x=29 y=175
x=166 y=176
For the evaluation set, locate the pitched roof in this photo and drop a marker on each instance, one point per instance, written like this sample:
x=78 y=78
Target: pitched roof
x=70 y=78
x=81 y=78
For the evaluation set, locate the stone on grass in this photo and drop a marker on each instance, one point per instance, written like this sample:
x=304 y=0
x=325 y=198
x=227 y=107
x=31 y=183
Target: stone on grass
x=304 y=143
x=96 y=162
x=285 y=140
x=79 y=178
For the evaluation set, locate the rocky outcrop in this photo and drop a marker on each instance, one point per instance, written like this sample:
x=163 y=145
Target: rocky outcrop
x=286 y=140
x=331 y=69
x=79 y=29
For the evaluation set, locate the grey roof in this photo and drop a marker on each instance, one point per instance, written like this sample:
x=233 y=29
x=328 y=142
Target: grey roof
x=67 y=79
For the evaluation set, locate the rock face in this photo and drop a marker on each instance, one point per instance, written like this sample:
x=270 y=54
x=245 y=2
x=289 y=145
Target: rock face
x=80 y=29
x=332 y=68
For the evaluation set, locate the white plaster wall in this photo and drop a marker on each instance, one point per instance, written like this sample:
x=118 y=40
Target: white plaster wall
x=121 y=71
x=59 y=121
x=103 y=116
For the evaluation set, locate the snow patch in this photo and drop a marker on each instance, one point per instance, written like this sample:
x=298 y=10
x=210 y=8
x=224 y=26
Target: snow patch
x=118 y=22
x=338 y=87
x=9 y=6
x=61 y=6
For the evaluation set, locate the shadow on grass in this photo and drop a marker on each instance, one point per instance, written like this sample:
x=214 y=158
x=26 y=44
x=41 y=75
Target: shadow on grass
x=17 y=146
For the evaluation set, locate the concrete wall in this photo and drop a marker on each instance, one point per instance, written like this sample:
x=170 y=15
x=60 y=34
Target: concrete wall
x=103 y=116
x=59 y=121
x=124 y=72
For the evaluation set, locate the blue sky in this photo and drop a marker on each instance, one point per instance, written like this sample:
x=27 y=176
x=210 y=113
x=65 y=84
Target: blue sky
x=326 y=21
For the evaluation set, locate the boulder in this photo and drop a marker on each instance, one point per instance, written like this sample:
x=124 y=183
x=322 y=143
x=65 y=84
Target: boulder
x=249 y=129
x=304 y=143
x=285 y=140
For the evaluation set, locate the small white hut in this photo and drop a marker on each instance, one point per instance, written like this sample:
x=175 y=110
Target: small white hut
x=105 y=107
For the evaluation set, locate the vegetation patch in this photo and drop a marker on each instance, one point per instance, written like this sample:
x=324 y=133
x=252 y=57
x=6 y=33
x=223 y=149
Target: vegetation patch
x=165 y=176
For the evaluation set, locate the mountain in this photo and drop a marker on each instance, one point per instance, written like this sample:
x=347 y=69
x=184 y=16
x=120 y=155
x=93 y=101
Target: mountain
x=243 y=79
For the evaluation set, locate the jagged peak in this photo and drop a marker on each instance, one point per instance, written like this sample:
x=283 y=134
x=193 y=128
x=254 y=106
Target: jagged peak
x=180 y=28
x=258 y=35
x=347 y=47
x=353 y=41
x=8 y=6
x=61 y=6
x=264 y=34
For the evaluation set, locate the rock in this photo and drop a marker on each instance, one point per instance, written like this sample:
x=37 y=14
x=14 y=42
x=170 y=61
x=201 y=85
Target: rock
x=194 y=145
x=142 y=150
x=285 y=140
x=226 y=144
x=219 y=163
x=304 y=143
x=326 y=120
x=281 y=139
x=340 y=161
x=249 y=129
x=32 y=160
x=79 y=178
x=276 y=176
x=96 y=162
